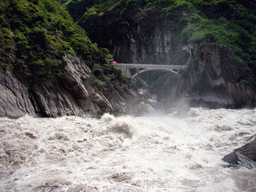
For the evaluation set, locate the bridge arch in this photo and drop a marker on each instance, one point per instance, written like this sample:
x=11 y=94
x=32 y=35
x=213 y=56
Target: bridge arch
x=163 y=70
x=127 y=67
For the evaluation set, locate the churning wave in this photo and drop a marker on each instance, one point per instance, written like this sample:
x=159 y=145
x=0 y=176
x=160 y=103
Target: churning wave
x=126 y=153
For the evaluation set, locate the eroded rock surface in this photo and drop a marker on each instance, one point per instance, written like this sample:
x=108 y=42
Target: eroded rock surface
x=71 y=94
x=15 y=99
x=215 y=80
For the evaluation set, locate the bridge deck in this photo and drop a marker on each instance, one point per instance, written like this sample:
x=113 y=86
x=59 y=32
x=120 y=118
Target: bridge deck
x=126 y=68
x=150 y=66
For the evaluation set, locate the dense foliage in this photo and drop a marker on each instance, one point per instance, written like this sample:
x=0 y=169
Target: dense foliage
x=62 y=1
x=34 y=36
x=77 y=8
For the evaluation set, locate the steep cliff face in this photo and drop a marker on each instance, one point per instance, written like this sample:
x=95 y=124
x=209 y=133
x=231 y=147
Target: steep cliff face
x=215 y=79
x=134 y=35
x=71 y=94
x=158 y=45
x=184 y=32
x=14 y=96
x=49 y=66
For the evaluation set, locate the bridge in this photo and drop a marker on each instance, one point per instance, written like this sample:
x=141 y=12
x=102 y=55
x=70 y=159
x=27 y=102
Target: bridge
x=132 y=69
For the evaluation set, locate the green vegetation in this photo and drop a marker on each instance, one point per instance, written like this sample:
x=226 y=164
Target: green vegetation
x=113 y=75
x=77 y=8
x=34 y=36
x=234 y=29
x=62 y=1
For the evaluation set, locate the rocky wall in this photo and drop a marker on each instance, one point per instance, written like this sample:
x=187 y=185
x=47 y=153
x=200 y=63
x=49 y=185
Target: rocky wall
x=71 y=94
x=215 y=80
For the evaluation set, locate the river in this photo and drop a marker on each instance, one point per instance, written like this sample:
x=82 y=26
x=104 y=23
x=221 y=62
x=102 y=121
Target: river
x=166 y=153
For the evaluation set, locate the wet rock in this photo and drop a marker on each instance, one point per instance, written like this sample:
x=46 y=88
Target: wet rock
x=91 y=107
x=144 y=108
x=245 y=156
x=231 y=159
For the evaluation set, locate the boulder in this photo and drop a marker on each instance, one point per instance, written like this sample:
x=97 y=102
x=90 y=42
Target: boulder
x=76 y=73
x=244 y=156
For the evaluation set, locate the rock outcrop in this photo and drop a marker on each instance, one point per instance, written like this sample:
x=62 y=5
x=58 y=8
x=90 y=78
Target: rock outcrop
x=71 y=94
x=15 y=99
x=245 y=156
x=134 y=38
x=215 y=80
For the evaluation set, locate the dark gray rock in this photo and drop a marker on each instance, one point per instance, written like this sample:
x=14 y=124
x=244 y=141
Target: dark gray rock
x=214 y=81
x=55 y=101
x=71 y=94
x=245 y=156
x=15 y=100
x=76 y=73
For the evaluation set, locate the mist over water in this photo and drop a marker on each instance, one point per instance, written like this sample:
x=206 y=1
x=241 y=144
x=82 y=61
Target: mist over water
x=126 y=153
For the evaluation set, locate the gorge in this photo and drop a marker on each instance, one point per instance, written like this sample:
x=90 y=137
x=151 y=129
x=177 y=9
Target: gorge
x=70 y=120
x=215 y=40
x=50 y=68
x=48 y=63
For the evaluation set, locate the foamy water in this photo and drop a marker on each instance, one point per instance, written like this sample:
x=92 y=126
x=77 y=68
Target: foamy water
x=126 y=153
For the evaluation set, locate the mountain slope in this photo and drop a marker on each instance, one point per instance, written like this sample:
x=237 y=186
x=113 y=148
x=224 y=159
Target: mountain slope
x=49 y=66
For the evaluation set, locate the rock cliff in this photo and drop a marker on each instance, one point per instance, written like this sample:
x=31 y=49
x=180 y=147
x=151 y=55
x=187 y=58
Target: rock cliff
x=215 y=79
x=136 y=38
x=216 y=40
x=50 y=67
x=71 y=94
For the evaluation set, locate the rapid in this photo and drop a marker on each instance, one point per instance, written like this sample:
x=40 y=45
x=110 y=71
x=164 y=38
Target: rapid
x=153 y=153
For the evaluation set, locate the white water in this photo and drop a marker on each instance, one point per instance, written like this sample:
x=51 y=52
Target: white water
x=126 y=153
